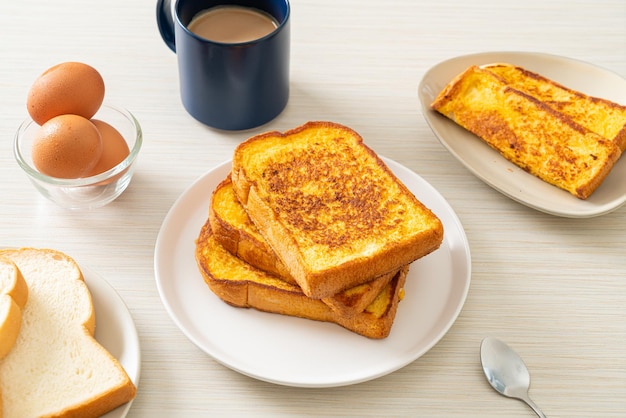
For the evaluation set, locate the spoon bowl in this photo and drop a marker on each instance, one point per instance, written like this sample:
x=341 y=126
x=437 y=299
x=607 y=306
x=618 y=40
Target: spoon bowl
x=506 y=371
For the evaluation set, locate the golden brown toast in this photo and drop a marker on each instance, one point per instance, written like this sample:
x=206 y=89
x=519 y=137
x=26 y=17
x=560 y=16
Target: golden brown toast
x=242 y=285
x=601 y=116
x=330 y=209
x=528 y=132
x=234 y=230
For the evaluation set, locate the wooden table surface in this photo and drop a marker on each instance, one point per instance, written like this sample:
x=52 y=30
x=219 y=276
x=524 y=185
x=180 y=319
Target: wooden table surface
x=552 y=287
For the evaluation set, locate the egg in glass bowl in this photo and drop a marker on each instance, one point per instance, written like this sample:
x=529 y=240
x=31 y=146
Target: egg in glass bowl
x=98 y=184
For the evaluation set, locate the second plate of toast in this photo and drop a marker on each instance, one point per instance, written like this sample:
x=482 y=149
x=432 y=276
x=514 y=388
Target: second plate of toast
x=504 y=176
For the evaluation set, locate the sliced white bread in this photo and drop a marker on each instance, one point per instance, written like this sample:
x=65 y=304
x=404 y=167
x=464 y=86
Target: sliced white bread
x=56 y=367
x=13 y=296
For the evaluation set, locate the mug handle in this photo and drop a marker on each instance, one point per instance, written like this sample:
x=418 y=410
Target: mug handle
x=165 y=21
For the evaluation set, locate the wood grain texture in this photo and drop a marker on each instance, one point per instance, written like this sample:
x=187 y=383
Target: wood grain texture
x=552 y=288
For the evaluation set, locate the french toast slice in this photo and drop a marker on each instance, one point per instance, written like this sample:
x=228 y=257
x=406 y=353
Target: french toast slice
x=528 y=132
x=241 y=285
x=601 y=116
x=329 y=207
x=234 y=230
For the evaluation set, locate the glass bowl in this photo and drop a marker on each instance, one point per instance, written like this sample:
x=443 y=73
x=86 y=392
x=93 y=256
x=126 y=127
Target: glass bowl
x=87 y=192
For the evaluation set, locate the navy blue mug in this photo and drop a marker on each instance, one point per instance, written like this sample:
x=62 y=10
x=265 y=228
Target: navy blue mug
x=230 y=86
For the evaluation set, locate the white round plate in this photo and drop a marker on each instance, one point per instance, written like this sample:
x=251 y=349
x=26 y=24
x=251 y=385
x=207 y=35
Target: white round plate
x=299 y=352
x=487 y=164
x=115 y=330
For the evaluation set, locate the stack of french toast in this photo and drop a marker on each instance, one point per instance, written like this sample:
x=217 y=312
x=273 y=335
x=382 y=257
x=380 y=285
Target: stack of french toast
x=311 y=223
x=560 y=135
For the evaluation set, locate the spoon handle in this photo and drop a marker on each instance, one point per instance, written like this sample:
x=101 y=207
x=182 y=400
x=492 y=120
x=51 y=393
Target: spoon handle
x=534 y=407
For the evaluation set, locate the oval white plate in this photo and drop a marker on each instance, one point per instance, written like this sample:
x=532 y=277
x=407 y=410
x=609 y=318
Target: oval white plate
x=495 y=170
x=299 y=352
x=115 y=330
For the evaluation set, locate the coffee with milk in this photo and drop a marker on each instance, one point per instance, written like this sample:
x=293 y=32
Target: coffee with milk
x=232 y=24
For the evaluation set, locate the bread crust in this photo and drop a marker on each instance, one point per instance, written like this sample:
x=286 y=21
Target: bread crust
x=13 y=297
x=241 y=238
x=241 y=285
x=330 y=209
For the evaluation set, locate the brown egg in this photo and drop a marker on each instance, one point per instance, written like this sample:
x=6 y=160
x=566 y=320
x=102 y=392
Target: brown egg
x=67 y=88
x=114 y=148
x=67 y=146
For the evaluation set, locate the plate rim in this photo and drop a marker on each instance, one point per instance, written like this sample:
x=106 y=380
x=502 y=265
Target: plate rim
x=579 y=208
x=160 y=267
x=103 y=293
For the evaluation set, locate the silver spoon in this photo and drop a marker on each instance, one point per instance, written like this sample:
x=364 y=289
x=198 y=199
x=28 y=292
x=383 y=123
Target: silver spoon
x=506 y=371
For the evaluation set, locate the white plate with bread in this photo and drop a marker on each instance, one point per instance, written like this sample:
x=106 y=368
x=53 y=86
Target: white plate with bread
x=299 y=352
x=61 y=306
x=489 y=166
